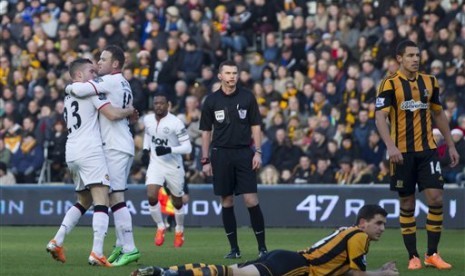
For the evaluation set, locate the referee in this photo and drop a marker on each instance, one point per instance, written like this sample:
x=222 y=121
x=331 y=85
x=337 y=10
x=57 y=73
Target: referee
x=232 y=112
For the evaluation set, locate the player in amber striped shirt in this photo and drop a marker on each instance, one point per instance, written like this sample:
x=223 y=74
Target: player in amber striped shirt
x=341 y=253
x=410 y=100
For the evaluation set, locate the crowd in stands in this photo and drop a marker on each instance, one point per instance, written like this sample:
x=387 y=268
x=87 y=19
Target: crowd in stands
x=314 y=67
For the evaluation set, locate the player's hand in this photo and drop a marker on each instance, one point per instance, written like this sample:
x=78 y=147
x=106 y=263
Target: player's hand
x=207 y=169
x=161 y=150
x=395 y=155
x=390 y=269
x=145 y=159
x=454 y=156
x=256 y=161
x=134 y=116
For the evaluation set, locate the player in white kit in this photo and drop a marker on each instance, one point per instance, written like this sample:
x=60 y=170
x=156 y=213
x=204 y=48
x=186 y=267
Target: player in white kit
x=118 y=145
x=167 y=139
x=86 y=162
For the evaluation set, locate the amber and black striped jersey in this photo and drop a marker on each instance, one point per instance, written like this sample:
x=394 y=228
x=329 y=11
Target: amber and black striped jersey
x=343 y=250
x=409 y=104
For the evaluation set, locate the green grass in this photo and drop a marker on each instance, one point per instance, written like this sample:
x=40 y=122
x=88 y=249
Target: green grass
x=22 y=249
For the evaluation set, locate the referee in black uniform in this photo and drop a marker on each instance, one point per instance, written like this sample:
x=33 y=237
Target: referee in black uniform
x=232 y=112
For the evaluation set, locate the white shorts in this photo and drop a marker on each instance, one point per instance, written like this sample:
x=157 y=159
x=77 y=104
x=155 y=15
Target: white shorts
x=174 y=178
x=119 y=165
x=89 y=170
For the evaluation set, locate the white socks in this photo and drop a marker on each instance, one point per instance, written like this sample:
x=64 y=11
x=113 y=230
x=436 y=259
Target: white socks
x=69 y=221
x=100 y=227
x=123 y=228
x=155 y=212
x=179 y=217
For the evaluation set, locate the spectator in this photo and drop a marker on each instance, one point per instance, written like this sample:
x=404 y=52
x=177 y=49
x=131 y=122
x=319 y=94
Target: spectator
x=269 y=175
x=318 y=146
x=450 y=174
x=362 y=128
x=6 y=177
x=301 y=173
x=374 y=150
x=342 y=176
x=56 y=151
x=361 y=173
x=284 y=155
x=11 y=134
x=27 y=161
x=323 y=173
x=5 y=154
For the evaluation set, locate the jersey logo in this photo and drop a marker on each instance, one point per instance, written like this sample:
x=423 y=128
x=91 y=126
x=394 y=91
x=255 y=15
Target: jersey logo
x=219 y=116
x=102 y=96
x=166 y=130
x=379 y=102
x=242 y=113
x=98 y=79
x=413 y=106
x=425 y=92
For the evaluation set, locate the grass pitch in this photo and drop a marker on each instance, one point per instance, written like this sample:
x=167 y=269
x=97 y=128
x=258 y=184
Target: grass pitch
x=22 y=249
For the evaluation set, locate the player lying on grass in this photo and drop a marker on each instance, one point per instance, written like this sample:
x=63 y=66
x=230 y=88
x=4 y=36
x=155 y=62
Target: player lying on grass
x=341 y=253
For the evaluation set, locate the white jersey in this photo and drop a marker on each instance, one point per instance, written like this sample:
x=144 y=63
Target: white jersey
x=115 y=134
x=168 y=132
x=81 y=116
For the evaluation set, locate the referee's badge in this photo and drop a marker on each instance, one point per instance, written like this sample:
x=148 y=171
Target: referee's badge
x=219 y=115
x=242 y=113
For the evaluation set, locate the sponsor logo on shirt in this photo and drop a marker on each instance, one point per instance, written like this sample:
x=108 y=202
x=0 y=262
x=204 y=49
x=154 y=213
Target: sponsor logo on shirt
x=413 y=105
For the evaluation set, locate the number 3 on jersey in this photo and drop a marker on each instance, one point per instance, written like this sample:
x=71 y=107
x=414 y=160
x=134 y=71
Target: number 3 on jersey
x=75 y=114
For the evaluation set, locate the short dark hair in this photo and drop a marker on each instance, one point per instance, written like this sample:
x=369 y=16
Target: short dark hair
x=77 y=64
x=226 y=63
x=369 y=211
x=116 y=54
x=400 y=50
x=161 y=94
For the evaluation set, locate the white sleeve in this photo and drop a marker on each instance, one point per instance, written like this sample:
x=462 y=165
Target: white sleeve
x=146 y=141
x=99 y=101
x=185 y=146
x=147 y=137
x=86 y=89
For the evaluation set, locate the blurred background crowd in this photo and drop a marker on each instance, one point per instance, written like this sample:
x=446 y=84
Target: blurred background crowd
x=314 y=67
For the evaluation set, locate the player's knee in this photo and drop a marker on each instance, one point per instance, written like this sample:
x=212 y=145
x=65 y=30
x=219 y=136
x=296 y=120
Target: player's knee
x=435 y=200
x=116 y=198
x=152 y=200
x=177 y=203
x=407 y=203
x=250 y=201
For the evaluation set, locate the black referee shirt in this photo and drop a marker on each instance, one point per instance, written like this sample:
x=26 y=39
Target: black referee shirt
x=231 y=117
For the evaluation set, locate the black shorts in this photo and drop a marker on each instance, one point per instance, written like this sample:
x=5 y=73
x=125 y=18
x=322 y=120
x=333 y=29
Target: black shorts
x=280 y=263
x=418 y=167
x=232 y=171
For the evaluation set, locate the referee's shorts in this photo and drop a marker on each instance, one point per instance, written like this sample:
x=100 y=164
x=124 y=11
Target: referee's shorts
x=232 y=171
